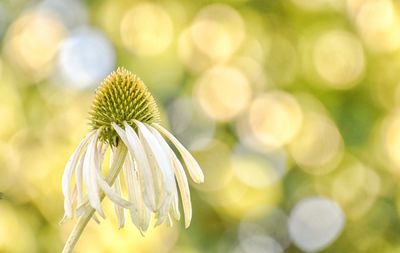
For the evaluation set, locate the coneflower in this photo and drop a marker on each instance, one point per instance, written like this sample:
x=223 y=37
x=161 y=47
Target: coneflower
x=125 y=120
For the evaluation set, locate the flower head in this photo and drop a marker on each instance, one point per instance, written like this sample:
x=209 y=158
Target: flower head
x=125 y=120
x=122 y=97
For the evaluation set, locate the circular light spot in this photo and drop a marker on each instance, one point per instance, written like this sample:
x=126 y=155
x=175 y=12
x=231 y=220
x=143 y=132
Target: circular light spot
x=218 y=31
x=274 y=118
x=319 y=146
x=315 y=222
x=146 y=29
x=32 y=43
x=223 y=92
x=86 y=57
x=339 y=59
x=378 y=23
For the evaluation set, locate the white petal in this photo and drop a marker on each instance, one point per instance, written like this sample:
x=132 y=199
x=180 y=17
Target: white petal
x=157 y=173
x=143 y=167
x=133 y=195
x=78 y=181
x=119 y=211
x=89 y=176
x=170 y=221
x=137 y=151
x=67 y=176
x=184 y=190
x=180 y=178
x=193 y=167
x=156 y=153
x=110 y=193
x=141 y=215
x=175 y=207
x=162 y=213
x=171 y=159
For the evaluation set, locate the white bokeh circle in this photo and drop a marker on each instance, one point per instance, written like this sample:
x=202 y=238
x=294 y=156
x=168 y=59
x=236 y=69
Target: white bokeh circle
x=85 y=58
x=315 y=222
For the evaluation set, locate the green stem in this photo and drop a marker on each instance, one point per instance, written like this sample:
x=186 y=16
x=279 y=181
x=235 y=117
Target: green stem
x=85 y=218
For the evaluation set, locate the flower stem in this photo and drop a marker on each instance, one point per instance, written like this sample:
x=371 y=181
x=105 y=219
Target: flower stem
x=115 y=168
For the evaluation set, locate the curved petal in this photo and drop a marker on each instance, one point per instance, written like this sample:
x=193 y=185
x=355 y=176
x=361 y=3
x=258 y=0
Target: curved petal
x=180 y=178
x=136 y=149
x=162 y=212
x=68 y=171
x=78 y=181
x=89 y=176
x=143 y=169
x=191 y=164
x=175 y=207
x=158 y=157
x=171 y=158
x=105 y=187
x=119 y=211
x=141 y=215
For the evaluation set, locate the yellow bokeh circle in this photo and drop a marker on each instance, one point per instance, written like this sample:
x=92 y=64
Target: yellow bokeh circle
x=223 y=92
x=146 y=29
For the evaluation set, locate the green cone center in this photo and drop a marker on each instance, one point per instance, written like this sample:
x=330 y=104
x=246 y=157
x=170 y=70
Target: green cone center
x=121 y=97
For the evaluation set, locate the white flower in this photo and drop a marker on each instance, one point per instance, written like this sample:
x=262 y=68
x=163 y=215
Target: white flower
x=124 y=120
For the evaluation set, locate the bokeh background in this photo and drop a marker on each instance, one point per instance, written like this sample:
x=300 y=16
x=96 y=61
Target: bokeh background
x=291 y=108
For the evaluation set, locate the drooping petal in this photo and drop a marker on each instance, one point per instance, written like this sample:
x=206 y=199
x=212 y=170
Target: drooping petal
x=180 y=178
x=162 y=212
x=159 y=159
x=175 y=207
x=105 y=187
x=119 y=211
x=191 y=164
x=68 y=171
x=131 y=140
x=145 y=172
x=171 y=159
x=141 y=215
x=78 y=181
x=89 y=176
x=170 y=221
x=184 y=189
x=131 y=188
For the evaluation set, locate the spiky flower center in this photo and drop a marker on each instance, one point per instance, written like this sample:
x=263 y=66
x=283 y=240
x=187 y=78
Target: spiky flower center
x=122 y=97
